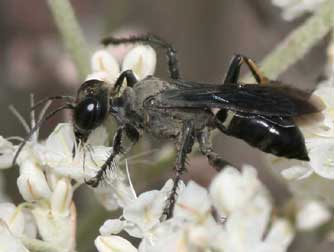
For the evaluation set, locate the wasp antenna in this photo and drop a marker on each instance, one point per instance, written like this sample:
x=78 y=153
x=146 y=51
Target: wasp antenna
x=51 y=98
x=35 y=128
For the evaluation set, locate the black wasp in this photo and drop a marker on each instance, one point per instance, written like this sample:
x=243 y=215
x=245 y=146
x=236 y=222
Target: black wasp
x=184 y=111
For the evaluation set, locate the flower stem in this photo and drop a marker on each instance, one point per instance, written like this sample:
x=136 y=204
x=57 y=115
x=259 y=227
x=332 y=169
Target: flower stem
x=298 y=42
x=71 y=33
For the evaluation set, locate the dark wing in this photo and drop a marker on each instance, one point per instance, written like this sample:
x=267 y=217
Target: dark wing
x=273 y=100
x=285 y=122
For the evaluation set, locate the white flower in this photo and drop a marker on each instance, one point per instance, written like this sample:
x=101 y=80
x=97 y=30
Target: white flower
x=192 y=208
x=56 y=228
x=114 y=226
x=8 y=242
x=193 y=227
x=141 y=214
x=13 y=217
x=118 y=191
x=295 y=8
x=113 y=243
x=18 y=220
x=32 y=182
x=141 y=60
x=313 y=187
x=253 y=209
x=7 y=151
x=231 y=185
x=58 y=155
x=319 y=140
x=312 y=214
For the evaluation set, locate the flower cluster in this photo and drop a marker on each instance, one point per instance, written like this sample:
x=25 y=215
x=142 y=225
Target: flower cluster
x=51 y=170
x=234 y=215
x=47 y=172
x=314 y=179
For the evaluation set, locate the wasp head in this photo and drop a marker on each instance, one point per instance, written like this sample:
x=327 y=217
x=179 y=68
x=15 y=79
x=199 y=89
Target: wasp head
x=91 y=108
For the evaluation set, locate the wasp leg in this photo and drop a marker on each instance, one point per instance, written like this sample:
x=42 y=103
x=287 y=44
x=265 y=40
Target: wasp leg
x=132 y=134
x=205 y=146
x=233 y=71
x=153 y=41
x=130 y=80
x=183 y=148
x=117 y=148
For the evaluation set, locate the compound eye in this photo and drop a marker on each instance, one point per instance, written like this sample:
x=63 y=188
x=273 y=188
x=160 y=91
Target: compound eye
x=89 y=114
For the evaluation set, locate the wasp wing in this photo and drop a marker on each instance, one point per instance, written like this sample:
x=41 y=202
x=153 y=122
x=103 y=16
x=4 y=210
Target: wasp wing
x=274 y=99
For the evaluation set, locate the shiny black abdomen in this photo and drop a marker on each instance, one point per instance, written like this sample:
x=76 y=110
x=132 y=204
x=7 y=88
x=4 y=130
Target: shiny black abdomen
x=264 y=134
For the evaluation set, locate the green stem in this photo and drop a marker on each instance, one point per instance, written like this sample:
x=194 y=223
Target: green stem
x=298 y=42
x=71 y=33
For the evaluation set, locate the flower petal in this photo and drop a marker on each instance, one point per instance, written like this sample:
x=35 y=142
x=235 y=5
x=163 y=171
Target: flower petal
x=297 y=172
x=279 y=237
x=61 y=197
x=7 y=151
x=231 y=190
x=141 y=60
x=312 y=215
x=193 y=203
x=240 y=232
x=58 y=154
x=32 y=182
x=145 y=211
x=113 y=243
x=13 y=217
x=9 y=242
x=113 y=226
x=103 y=61
x=322 y=159
x=56 y=229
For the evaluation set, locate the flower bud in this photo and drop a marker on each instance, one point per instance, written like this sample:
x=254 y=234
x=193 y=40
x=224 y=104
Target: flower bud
x=32 y=183
x=56 y=229
x=312 y=215
x=232 y=190
x=61 y=198
x=103 y=62
x=8 y=242
x=113 y=243
x=141 y=60
x=13 y=217
x=113 y=226
x=6 y=153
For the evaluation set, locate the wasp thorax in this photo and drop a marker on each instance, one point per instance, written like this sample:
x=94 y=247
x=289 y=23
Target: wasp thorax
x=92 y=106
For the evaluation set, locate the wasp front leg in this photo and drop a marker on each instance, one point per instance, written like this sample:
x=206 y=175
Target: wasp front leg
x=127 y=75
x=184 y=147
x=117 y=149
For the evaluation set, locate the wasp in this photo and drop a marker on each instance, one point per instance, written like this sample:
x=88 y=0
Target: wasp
x=262 y=114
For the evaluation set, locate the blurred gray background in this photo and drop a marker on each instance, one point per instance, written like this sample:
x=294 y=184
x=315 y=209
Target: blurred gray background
x=205 y=33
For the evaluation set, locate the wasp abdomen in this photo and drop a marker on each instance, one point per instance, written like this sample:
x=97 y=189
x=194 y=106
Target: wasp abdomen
x=264 y=134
